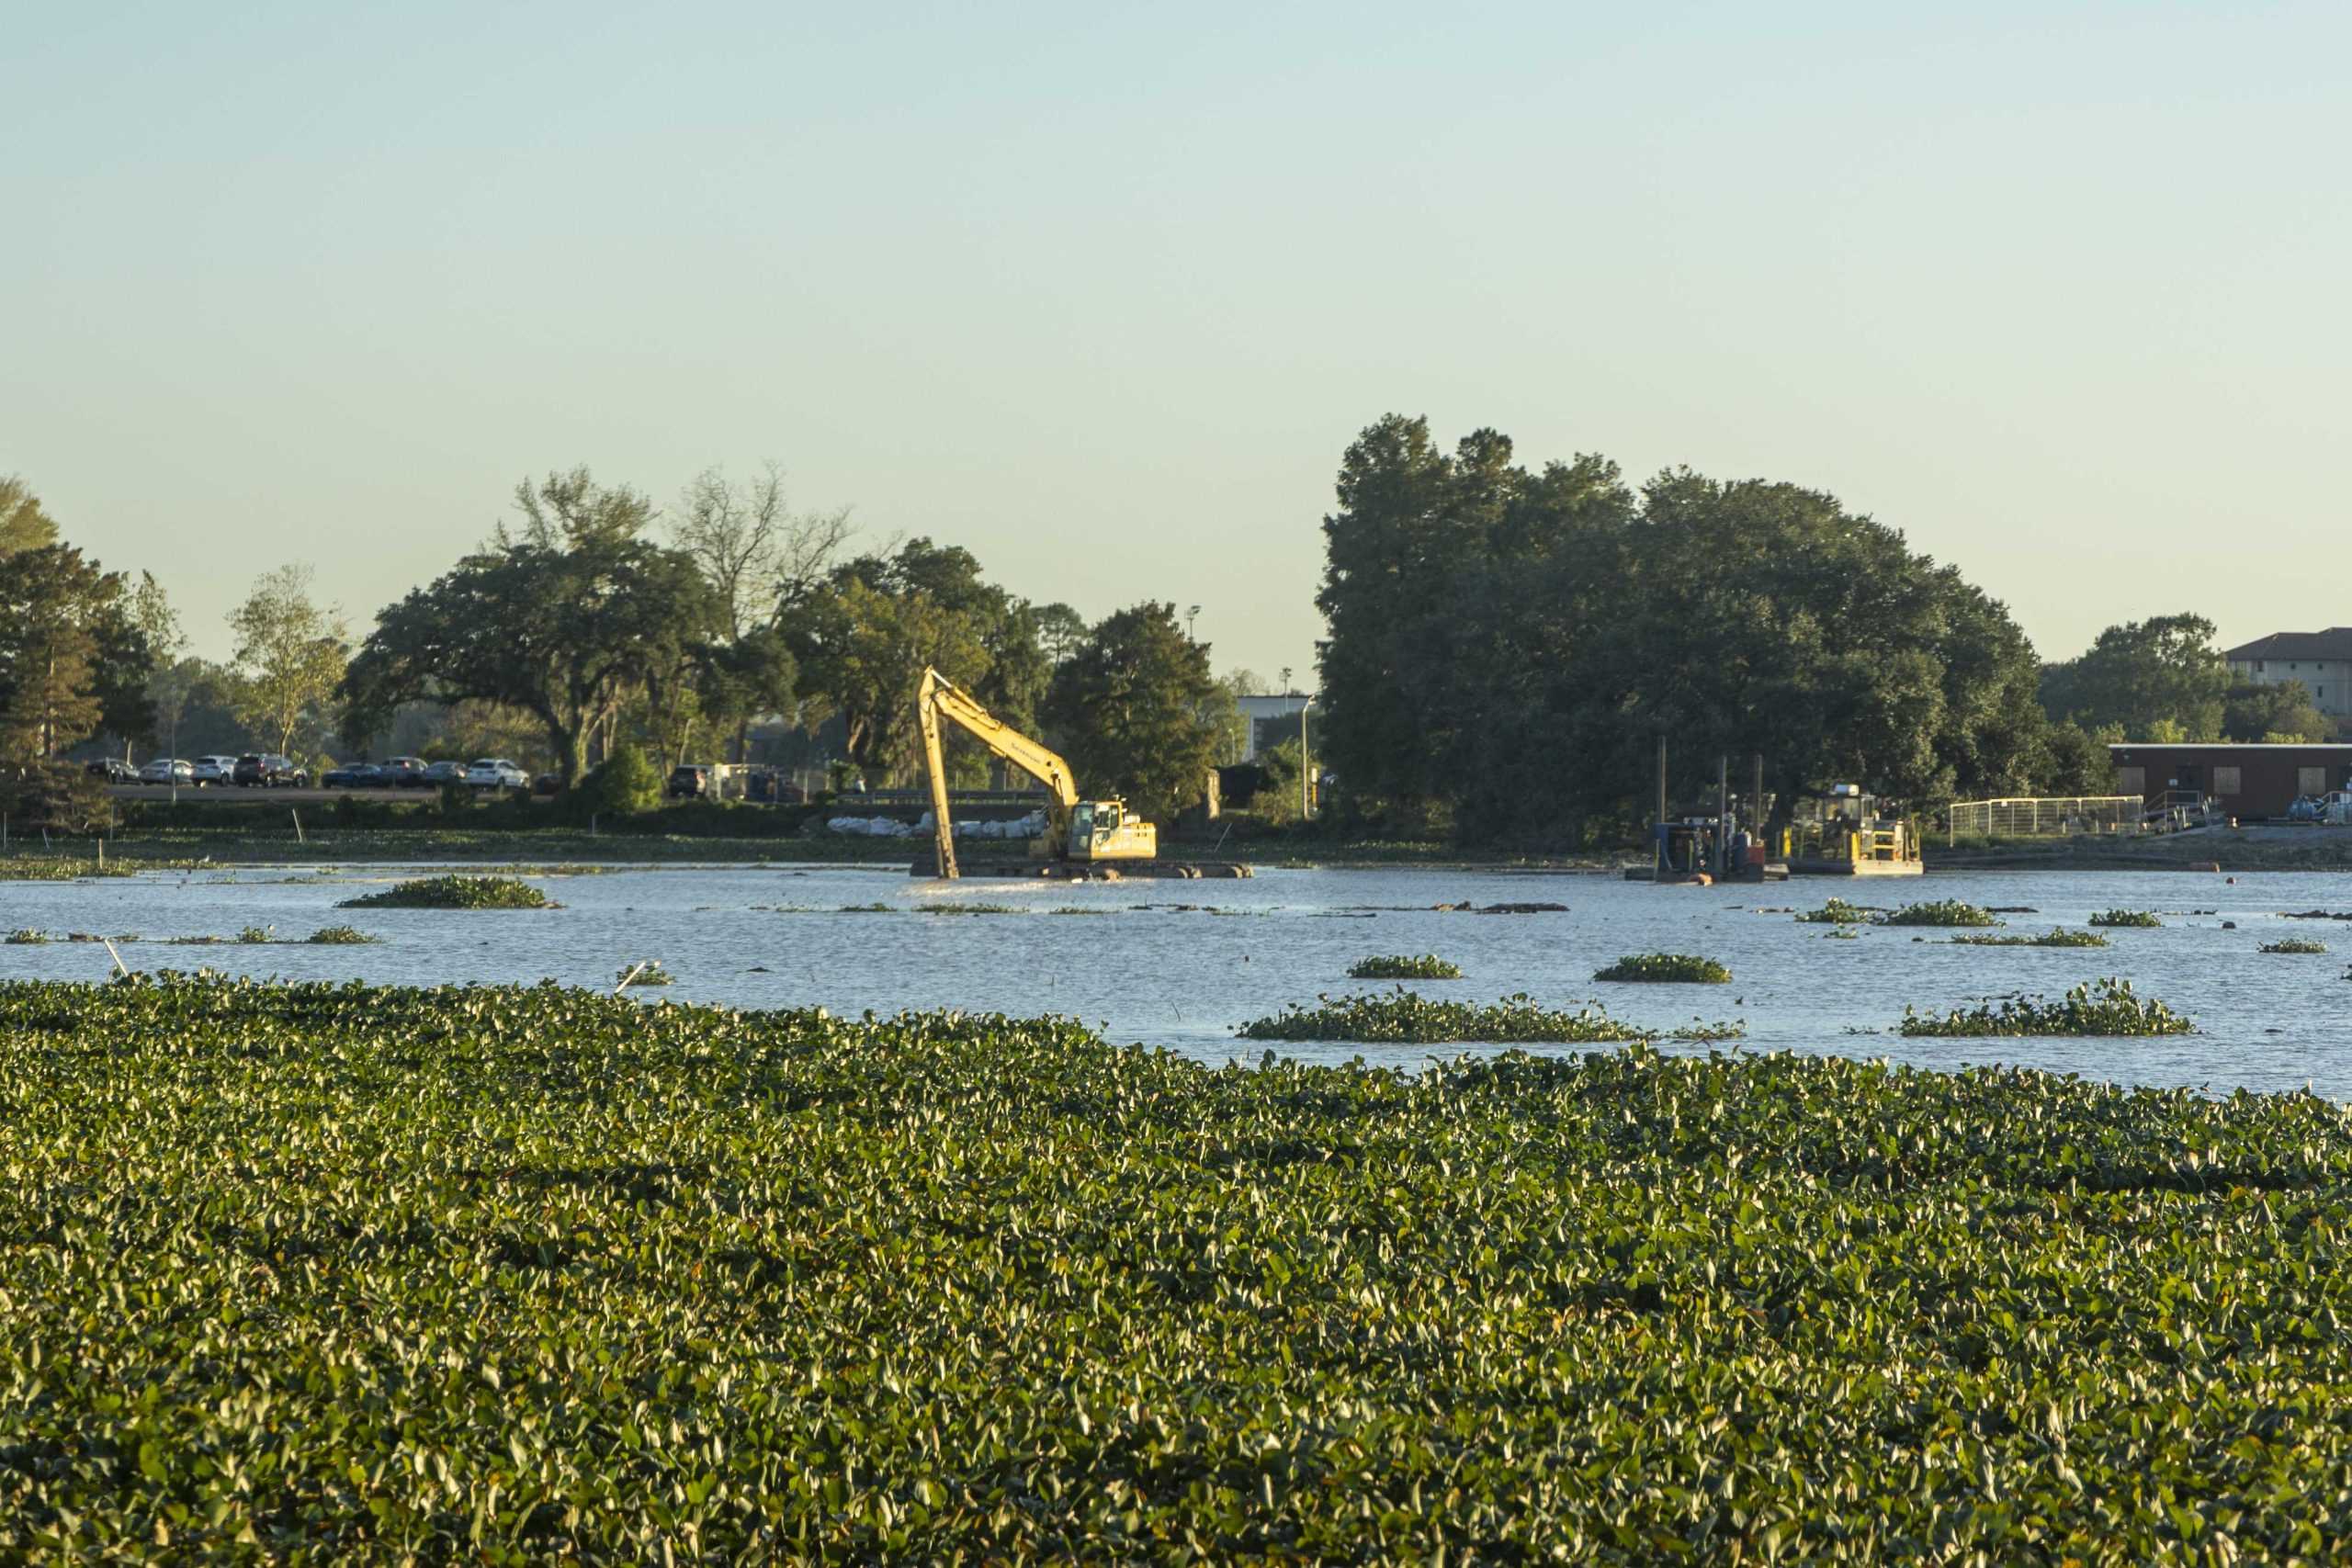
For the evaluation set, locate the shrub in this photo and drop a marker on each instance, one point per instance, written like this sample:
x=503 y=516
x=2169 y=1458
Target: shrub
x=2107 y=1006
x=1942 y=912
x=454 y=892
x=624 y=784
x=2294 y=944
x=2058 y=938
x=1428 y=966
x=2134 y=917
x=1667 y=966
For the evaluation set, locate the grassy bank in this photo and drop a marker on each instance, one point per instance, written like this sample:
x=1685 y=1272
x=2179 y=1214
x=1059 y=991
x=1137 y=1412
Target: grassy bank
x=507 y=1275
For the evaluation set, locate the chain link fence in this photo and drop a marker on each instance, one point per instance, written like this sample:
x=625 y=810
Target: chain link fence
x=2046 y=817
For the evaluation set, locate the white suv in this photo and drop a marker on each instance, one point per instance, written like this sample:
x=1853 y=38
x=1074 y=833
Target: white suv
x=496 y=773
x=215 y=771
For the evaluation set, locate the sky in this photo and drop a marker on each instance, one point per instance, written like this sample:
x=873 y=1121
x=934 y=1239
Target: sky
x=1103 y=292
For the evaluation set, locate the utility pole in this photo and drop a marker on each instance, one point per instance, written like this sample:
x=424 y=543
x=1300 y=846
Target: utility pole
x=1722 y=811
x=1658 y=830
x=1189 y=617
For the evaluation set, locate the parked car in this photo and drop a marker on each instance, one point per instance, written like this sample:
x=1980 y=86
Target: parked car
x=114 y=770
x=495 y=773
x=403 y=772
x=437 y=774
x=269 y=770
x=689 y=780
x=546 y=784
x=352 y=775
x=215 y=771
x=769 y=787
x=167 y=770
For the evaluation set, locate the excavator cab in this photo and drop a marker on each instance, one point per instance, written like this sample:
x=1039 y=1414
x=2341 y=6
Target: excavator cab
x=1100 y=830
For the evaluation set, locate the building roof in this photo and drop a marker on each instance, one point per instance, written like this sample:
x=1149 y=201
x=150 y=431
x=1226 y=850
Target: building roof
x=2334 y=643
x=2232 y=746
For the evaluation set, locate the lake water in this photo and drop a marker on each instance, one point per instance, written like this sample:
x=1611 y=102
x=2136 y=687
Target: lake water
x=1180 y=963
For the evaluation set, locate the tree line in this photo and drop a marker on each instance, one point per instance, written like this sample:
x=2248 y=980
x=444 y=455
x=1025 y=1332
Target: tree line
x=592 y=626
x=1506 y=645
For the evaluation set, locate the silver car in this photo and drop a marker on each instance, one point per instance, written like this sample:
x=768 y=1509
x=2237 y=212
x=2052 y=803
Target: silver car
x=167 y=770
x=495 y=773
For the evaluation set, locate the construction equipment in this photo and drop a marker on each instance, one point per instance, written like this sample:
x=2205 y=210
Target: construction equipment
x=1075 y=830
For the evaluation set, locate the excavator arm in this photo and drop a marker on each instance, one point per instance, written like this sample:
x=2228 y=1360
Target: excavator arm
x=939 y=698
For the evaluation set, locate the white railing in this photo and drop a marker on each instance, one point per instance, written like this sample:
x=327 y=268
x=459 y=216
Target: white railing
x=2046 y=817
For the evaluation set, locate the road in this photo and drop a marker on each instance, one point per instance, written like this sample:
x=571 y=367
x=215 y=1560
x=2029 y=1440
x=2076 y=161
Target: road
x=230 y=795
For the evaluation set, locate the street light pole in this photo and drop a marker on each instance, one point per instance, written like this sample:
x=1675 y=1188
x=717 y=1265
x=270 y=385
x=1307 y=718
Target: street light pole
x=1189 y=617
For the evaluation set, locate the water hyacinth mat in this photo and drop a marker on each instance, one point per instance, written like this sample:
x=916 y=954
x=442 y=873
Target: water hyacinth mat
x=350 y=1273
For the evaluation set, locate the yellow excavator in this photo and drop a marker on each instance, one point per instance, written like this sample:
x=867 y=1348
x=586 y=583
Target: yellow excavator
x=1075 y=830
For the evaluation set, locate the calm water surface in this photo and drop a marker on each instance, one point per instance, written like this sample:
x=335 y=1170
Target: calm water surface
x=1180 y=963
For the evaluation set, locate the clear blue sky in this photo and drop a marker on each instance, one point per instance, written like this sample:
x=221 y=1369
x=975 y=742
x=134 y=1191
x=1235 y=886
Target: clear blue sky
x=1102 y=292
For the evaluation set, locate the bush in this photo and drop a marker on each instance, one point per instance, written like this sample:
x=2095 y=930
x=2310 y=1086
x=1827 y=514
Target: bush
x=2109 y=1007
x=625 y=783
x=1942 y=912
x=1428 y=966
x=2133 y=918
x=453 y=893
x=1676 y=967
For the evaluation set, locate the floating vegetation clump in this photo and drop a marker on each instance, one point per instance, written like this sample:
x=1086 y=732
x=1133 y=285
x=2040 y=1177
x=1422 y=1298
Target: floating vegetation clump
x=1428 y=966
x=1941 y=912
x=455 y=892
x=2294 y=944
x=256 y=936
x=970 y=909
x=2136 y=918
x=2060 y=937
x=1676 y=967
x=2102 y=1008
x=26 y=937
x=1836 y=912
x=1404 y=1018
x=649 y=973
x=338 y=936
x=71 y=869
x=340 y=1273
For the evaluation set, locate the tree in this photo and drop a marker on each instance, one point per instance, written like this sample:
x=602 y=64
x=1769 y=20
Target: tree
x=171 y=676
x=71 y=662
x=1507 y=646
x=290 y=655
x=759 y=557
x=2143 y=674
x=567 y=621
x=2281 y=712
x=1131 y=709
x=23 y=524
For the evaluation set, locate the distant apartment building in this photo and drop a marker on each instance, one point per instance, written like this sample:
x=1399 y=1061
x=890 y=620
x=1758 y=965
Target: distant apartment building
x=1271 y=721
x=2321 y=660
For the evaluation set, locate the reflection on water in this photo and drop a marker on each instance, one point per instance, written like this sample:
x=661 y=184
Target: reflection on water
x=1180 y=963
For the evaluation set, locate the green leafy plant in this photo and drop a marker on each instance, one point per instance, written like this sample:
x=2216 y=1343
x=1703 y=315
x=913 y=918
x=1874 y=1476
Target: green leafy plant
x=1669 y=967
x=1941 y=912
x=1836 y=912
x=2060 y=937
x=1428 y=966
x=26 y=937
x=649 y=973
x=1404 y=1018
x=604 y=1278
x=454 y=892
x=339 y=936
x=2102 y=1008
x=2294 y=944
x=2131 y=918
x=254 y=936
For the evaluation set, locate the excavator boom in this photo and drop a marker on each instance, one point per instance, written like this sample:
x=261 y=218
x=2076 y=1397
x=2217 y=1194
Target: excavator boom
x=939 y=698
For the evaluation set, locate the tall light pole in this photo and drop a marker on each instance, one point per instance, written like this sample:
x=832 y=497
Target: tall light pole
x=1305 y=767
x=1189 y=617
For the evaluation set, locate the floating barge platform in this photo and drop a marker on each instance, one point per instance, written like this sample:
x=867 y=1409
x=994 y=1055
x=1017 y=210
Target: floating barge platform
x=1087 y=870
